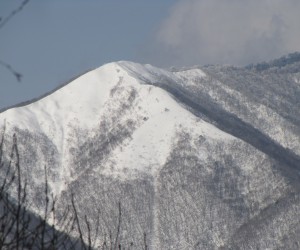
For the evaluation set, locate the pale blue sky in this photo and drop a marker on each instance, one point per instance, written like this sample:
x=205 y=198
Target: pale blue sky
x=51 y=41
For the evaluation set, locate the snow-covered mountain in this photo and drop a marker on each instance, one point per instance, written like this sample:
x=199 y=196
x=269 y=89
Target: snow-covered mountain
x=198 y=158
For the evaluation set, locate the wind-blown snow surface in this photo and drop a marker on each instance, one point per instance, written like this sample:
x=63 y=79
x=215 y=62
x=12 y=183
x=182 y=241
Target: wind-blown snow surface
x=170 y=147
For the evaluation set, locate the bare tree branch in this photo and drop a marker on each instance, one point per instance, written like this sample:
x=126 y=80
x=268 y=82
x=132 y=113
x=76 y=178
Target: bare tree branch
x=4 y=21
x=119 y=226
x=77 y=222
x=11 y=70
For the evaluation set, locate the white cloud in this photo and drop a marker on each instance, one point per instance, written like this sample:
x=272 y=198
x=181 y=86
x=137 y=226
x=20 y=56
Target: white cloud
x=227 y=31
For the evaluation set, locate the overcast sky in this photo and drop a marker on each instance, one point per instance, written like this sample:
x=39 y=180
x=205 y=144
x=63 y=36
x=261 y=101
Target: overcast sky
x=51 y=41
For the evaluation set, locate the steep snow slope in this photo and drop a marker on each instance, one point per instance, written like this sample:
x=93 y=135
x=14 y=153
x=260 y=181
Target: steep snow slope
x=147 y=137
x=84 y=103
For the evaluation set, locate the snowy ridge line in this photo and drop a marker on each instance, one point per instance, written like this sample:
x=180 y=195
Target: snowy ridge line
x=224 y=120
x=33 y=100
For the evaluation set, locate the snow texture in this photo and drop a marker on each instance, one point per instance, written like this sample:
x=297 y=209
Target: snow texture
x=193 y=155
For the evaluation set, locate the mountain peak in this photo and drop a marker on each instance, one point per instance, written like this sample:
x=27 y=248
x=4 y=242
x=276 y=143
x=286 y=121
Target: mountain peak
x=186 y=152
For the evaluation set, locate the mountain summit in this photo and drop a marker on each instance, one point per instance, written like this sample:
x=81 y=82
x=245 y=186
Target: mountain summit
x=199 y=158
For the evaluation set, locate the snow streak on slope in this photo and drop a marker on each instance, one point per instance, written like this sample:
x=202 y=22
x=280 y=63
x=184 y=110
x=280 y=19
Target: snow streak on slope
x=237 y=102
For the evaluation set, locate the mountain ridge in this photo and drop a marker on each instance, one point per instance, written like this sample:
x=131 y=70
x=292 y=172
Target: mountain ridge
x=192 y=155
